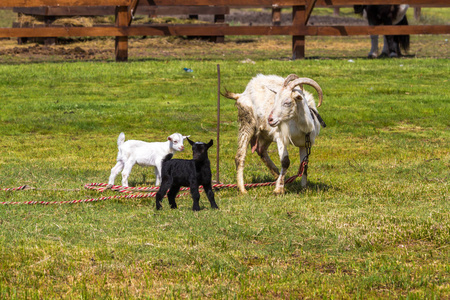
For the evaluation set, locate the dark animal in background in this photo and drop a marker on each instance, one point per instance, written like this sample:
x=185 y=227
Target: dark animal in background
x=386 y=15
x=189 y=173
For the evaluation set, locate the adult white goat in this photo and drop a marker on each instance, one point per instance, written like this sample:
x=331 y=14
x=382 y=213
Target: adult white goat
x=274 y=109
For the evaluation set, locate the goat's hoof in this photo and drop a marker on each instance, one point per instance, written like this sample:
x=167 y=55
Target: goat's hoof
x=303 y=185
x=243 y=191
x=393 y=55
x=279 y=191
x=109 y=186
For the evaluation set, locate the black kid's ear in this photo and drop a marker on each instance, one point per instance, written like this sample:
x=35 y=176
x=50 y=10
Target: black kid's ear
x=210 y=143
x=190 y=142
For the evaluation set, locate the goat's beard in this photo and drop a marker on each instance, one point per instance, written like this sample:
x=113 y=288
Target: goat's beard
x=285 y=133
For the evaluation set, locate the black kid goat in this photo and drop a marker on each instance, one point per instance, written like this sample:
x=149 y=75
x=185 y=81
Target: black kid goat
x=189 y=173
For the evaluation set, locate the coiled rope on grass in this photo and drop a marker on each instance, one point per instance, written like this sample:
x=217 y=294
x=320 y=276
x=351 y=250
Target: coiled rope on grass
x=136 y=192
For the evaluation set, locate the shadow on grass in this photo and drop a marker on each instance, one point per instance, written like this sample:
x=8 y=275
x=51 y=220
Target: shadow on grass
x=245 y=41
x=291 y=188
x=262 y=179
x=147 y=182
x=295 y=187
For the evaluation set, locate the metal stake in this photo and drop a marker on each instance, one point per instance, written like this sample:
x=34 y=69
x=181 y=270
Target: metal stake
x=218 y=122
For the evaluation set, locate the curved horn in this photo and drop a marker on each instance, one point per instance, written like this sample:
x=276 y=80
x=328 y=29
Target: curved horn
x=289 y=79
x=308 y=81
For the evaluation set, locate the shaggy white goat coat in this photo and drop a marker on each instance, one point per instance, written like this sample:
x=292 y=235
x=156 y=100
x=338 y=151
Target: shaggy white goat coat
x=275 y=109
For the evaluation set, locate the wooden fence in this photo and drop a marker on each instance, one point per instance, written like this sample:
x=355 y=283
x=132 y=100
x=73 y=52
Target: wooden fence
x=301 y=11
x=49 y=14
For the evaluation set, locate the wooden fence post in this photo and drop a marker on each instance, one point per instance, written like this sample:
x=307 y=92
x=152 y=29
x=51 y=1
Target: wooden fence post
x=336 y=11
x=298 y=41
x=276 y=16
x=221 y=38
x=48 y=20
x=417 y=13
x=121 y=47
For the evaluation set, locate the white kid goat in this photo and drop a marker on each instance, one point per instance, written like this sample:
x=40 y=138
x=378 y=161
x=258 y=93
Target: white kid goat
x=275 y=109
x=142 y=153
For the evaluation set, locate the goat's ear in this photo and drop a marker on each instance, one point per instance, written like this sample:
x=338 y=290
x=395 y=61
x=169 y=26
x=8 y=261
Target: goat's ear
x=298 y=95
x=169 y=138
x=190 y=142
x=210 y=143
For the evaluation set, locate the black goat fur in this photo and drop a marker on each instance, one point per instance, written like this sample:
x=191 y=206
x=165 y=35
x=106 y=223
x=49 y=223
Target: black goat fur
x=385 y=15
x=188 y=173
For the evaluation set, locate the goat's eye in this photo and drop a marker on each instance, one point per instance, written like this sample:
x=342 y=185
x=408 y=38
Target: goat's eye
x=175 y=142
x=287 y=104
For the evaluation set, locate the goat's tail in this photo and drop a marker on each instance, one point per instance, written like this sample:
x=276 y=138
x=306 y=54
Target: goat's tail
x=121 y=139
x=403 y=40
x=230 y=95
x=167 y=157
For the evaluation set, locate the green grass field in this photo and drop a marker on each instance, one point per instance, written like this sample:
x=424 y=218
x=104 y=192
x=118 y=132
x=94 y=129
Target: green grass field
x=374 y=221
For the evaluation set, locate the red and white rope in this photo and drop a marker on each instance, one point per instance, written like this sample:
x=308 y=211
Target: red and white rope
x=19 y=188
x=143 y=192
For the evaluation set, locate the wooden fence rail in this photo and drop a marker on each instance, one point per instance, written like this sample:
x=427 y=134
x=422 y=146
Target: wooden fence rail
x=301 y=11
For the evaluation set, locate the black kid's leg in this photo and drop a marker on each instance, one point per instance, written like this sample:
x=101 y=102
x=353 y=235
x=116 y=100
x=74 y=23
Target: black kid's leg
x=210 y=194
x=196 y=197
x=161 y=193
x=172 y=195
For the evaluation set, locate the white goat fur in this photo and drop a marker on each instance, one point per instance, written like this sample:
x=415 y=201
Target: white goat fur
x=142 y=153
x=269 y=111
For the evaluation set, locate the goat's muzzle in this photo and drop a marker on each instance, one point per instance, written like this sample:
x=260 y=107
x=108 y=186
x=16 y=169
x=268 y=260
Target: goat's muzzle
x=271 y=121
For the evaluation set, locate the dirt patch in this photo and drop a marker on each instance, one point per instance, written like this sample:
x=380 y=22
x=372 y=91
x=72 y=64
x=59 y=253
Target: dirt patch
x=240 y=48
x=37 y=52
x=103 y=49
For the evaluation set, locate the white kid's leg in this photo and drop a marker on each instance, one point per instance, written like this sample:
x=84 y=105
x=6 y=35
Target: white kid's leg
x=115 y=171
x=158 y=174
x=126 y=172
